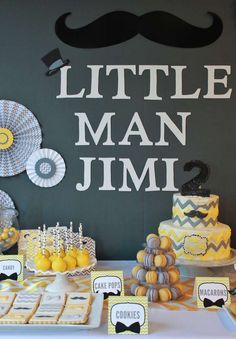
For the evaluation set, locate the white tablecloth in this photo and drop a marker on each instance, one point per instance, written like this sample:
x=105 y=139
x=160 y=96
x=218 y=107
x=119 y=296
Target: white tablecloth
x=162 y=324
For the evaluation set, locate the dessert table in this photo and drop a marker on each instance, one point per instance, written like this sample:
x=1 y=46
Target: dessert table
x=163 y=323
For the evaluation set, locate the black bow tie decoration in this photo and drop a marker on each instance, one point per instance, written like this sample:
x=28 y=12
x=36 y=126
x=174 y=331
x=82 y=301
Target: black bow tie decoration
x=13 y=276
x=208 y=303
x=107 y=294
x=120 y=327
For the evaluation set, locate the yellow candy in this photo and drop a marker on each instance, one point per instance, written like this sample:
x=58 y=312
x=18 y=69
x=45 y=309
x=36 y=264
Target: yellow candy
x=4 y=236
x=84 y=251
x=71 y=262
x=59 y=265
x=83 y=260
x=43 y=264
x=73 y=252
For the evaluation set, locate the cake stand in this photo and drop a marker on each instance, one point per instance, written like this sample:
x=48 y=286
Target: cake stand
x=62 y=283
x=193 y=268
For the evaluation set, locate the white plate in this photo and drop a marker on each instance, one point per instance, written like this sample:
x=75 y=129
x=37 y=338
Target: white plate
x=230 y=314
x=93 y=322
x=211 y=263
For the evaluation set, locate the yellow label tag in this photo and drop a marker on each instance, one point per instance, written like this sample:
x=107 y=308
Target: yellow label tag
x=128 y=315
x=110 y=283
x=11 y=267
x=212 y=292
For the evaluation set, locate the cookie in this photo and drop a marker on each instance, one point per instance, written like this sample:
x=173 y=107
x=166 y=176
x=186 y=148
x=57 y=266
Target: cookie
x=160 y=260
x=44 y=318
x=72 y=318
x=170 y=259
x=151 y=277
x=133 y=288
x=166 y=243
x=140 y=256
x=164 y=294
x=153 y=241
x=152 y=294
x=141 y=291
x=7 y=297
x=148 y=260
x=163 y=278
x=53 y=298
x=141 y=274
x=173 y=275
x=27 y=298
x=78 y=298
x=176 y=293
x=135 y=270
x=4 y=308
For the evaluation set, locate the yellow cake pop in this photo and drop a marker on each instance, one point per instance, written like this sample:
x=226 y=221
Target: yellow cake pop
x=70 y=261
x=73 y=252
x=43 y=264
x=83 y=260
x=59 y=265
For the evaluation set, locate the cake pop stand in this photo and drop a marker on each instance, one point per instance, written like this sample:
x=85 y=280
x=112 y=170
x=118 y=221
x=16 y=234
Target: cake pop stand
x=62 y=283
x=193 y=268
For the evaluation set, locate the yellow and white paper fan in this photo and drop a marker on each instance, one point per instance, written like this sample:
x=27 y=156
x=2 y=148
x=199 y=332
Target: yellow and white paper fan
x=45 y=167
x=20 y=136
x=5 y=200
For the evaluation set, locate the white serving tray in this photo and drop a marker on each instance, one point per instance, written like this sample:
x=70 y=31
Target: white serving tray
x=93 y=322
x=230 y=315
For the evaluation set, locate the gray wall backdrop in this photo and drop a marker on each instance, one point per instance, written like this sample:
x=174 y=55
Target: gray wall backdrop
x=117 y=221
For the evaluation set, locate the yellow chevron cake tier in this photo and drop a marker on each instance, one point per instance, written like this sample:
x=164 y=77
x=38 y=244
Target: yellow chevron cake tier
x=195 y=211
x=211 y=243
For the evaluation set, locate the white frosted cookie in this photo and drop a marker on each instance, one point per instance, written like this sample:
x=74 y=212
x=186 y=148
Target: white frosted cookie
x=79 y=298
x=14 y=319
x=67 y=318
x=22 y=309
x=7 y=297
x=44 y=318
x=50 y=308
x=27 y=298
x=53 y=298
x=4 y=308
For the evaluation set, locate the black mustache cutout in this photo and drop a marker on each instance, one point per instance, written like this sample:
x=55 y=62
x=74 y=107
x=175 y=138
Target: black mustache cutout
x=107 y=294
x=198 y=214
x=22 y=308
x=78 y=298
x=116 y=27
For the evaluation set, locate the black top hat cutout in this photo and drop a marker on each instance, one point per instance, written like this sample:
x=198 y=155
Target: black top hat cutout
x=54 y=61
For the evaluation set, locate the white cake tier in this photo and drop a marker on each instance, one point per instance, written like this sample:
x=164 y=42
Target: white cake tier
x=211 y=243
x=194 y=211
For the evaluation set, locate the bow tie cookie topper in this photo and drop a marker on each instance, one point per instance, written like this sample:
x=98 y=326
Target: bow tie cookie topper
x=127 y=315
x=212 y=292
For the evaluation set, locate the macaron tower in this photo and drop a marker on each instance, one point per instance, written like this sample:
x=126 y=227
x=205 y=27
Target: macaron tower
x=155 y=273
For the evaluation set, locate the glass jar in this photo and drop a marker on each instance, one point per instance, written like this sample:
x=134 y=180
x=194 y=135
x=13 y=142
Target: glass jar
x=9 y=228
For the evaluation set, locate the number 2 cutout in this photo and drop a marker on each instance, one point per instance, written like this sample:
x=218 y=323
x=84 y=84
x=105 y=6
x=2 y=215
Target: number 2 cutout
x=193 y=186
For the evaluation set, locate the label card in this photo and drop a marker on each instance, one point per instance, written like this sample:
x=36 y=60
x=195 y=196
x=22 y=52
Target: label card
x=212 y=292
x=128 y=315
x=11 y=267
x=110 y=283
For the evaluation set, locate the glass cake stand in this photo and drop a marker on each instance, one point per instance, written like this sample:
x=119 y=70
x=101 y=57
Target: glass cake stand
x=62 y=283
x=197 y=268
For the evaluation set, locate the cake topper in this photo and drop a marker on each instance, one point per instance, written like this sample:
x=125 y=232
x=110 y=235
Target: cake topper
x=193 y=186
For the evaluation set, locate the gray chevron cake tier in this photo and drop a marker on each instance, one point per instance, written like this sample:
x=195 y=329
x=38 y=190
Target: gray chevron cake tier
x=195 y=211
x=210 y=243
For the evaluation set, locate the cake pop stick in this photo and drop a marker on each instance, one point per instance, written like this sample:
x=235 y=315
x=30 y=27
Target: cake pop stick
x=71 y=234
x=39 y=239
x=44 y=239
x=80 y=236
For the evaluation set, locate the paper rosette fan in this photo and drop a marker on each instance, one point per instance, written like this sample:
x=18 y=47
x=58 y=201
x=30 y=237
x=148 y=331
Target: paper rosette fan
x=5 y=200
x=20 y=136
x=45 y=167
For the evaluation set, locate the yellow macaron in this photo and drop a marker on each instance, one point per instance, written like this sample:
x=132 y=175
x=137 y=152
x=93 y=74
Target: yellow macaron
x=151 y=277
x=166 y=243
x=140 y=256
x=140 y=291
x=160 y=260
x=165 y=294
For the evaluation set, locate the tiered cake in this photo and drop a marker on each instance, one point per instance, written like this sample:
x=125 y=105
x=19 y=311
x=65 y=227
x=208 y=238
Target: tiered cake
x=157 y=277
x=194 y=229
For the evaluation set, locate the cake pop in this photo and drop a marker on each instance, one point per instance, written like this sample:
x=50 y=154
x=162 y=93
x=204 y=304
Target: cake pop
x=73 y=251
x=83 y=259
x=43 y=263
x=58 y=264
x=69 y=260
